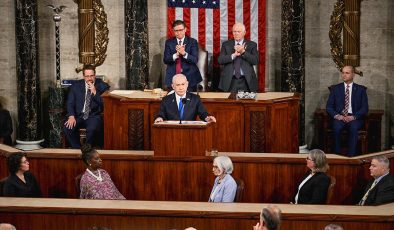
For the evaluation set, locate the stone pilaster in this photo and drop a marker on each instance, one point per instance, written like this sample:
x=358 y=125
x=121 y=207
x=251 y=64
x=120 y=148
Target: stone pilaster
x=27 y=70
x=137 y=50
x=293 y=54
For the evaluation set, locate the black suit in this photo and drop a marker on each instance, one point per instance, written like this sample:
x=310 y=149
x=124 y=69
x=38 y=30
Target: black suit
x=192 y=108
x=5 y=126
x=15 y=187
x=75 y=104
x=314 y=191
x=249 y=58
x=382 y=193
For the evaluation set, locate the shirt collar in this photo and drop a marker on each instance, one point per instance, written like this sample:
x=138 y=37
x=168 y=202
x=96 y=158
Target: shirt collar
x=240 y=42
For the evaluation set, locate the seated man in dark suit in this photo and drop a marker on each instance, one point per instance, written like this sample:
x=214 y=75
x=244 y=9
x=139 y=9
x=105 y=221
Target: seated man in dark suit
x=84 y=108
x=182 y=105
x=347 y=105
x=381 y=189
x=181 y=56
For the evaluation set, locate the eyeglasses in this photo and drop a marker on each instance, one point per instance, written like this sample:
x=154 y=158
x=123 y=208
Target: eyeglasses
x=309 y=159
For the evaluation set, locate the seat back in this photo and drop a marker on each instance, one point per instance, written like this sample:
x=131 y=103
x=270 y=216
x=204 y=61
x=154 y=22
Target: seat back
x=240 y=190
x=202 y=65
x=330 y=190
x=2 y=182
x=78 y=184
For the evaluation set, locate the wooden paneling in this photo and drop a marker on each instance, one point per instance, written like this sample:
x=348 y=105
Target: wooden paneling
x=240 y=125
x=142 y=176
x=72 y=214
x=182 y=139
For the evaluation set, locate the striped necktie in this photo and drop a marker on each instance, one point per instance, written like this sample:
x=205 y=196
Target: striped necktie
x=88 y=99
x=362 y=201
x=347 y=95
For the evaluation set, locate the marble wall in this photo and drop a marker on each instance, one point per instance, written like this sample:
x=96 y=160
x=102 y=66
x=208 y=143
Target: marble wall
x=377 y=50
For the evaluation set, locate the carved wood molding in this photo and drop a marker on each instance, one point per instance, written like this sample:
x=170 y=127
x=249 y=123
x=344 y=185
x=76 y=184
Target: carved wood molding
x=135 y=129
x=257 y=131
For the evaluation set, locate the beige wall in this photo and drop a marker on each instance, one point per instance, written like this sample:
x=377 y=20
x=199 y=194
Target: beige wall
x=377 y=48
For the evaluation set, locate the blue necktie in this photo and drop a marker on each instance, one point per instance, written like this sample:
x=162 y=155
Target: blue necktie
x=180 y=109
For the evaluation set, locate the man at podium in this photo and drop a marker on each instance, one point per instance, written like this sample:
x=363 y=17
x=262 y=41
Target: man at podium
x=182 y=105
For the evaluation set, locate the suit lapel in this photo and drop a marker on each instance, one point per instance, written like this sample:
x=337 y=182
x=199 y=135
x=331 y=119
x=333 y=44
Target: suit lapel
x=174 y=105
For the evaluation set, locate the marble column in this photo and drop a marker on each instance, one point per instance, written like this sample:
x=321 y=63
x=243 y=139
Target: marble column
x=27 y=70
x=293 y=54
x=137 y=50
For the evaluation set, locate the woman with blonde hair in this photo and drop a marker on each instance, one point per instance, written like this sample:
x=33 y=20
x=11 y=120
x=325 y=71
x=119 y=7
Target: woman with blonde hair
x=314 y=185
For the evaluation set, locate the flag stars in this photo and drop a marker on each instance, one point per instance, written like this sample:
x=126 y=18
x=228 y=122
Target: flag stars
x=204 y=2
x=183 y=1
x=194 y=1
x=214 y=2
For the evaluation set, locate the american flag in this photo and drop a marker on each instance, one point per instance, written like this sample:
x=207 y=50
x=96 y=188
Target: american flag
x=211 y=21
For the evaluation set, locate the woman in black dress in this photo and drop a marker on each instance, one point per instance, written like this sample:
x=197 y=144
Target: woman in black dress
x=20 y=183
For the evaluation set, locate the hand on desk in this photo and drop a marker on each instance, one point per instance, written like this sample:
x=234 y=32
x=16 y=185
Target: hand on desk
x=159 y=119
x=210 y=119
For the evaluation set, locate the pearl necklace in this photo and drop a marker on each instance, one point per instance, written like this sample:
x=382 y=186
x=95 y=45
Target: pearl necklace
x=99 y=178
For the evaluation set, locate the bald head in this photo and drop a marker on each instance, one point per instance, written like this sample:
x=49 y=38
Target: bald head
x=4 y=226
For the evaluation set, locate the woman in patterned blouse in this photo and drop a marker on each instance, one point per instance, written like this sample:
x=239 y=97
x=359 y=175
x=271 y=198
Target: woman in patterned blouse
x=96 y=182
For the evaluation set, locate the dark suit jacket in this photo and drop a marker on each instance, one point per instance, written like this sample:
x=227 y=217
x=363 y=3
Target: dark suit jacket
x=249 y=58
x=5 y=126
x=193 y=107
x=15 y=187
x=336 y=100
x=189 y=65
x=382 y=193
x=314 y=191
x=76 y=98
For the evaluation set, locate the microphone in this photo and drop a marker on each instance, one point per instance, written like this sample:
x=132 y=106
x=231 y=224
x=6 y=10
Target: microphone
x=184 y=100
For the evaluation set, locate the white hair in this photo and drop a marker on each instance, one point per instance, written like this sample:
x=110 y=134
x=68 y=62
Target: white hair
x=224 y=164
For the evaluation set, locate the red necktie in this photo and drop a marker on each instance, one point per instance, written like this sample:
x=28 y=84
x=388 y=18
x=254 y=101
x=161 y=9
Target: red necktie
x=178 y=64
x=346 y=109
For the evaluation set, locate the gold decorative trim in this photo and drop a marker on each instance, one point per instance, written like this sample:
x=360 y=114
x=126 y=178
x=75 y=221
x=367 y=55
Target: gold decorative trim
x=101 y=42
x=335 y=33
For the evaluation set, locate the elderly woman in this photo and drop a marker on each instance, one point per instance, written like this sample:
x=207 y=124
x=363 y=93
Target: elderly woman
x=20 y=183
x=225 y=187
x=96 y=182
x=314 y=185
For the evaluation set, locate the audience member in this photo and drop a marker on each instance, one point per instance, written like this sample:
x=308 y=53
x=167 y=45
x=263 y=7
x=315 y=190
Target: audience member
x=224 y=187
x=84 y=108
x=20 y=183
x=270 y=218
x=238 y=57
x=5 y=226
x=96 y=182
x=347 y=105
x=314 y=185
x=380 y=190
x=5 y=126
x=181 y=104
x=333 y=227
x=181 y=56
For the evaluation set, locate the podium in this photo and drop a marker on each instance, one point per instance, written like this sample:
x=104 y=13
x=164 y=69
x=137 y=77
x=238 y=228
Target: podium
x=191 y=138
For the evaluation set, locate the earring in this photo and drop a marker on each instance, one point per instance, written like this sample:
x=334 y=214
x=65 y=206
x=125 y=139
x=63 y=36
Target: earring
x=90 y=164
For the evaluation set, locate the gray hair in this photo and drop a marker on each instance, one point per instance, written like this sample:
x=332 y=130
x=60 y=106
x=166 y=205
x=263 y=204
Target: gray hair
x=383 y=160
x=333 y=227
x=224 y=164
x=272 y=216
x=320 y=160
x=179 y=75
